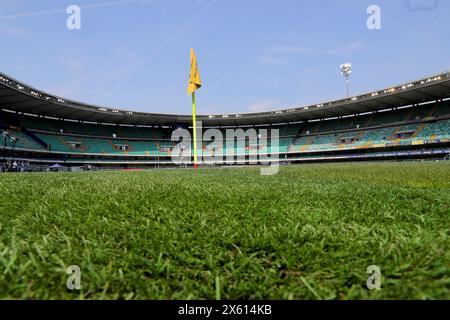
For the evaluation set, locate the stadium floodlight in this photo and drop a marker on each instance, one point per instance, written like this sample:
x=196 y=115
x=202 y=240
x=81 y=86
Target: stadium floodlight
x=346 y=70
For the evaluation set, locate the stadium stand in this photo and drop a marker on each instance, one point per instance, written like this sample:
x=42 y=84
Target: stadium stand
x=342 y=130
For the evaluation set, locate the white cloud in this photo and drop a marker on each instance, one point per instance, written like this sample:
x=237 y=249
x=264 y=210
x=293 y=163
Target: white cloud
x=345 y=49
x=291 y=49
x=278 y=54
x=421 y=5
x=267 y=105
x=270 y=59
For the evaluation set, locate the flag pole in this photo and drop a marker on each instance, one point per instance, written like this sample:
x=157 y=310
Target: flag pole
x=194 y=126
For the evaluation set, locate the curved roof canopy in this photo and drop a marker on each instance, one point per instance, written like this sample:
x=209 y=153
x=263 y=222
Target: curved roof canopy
x=19 y=97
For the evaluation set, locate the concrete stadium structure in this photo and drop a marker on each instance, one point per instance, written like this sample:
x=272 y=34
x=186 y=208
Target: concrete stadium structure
x=410 y=120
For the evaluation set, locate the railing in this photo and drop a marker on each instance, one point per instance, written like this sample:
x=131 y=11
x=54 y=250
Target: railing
x=35 y=138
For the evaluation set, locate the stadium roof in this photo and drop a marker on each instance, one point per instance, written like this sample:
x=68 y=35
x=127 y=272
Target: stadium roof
x=19 y=97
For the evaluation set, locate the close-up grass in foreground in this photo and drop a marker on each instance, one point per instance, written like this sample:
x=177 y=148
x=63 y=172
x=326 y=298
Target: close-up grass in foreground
x=309 y=232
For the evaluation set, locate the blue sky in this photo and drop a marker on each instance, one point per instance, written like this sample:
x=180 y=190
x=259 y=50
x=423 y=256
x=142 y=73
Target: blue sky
x=254 y=55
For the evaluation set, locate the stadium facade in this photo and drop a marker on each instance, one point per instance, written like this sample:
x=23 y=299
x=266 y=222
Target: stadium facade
x=408 y=121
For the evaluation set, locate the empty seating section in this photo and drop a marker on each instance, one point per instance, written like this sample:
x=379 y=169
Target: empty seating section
x=435 y=130
x=404 y=126
x=323 y=142
x=35 y=123
x=289 y=131
x=380 y=118
x=59 y=143
x=377 y=136
x=441 y=111
x=90 y=129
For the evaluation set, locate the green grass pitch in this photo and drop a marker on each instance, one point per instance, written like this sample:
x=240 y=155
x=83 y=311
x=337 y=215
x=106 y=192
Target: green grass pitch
x=309 y=232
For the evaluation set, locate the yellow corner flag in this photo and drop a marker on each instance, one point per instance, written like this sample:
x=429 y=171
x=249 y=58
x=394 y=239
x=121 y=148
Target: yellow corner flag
x=194 y=84
x=194 y=77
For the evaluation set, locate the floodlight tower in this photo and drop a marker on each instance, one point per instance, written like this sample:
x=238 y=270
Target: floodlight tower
x=346 y=70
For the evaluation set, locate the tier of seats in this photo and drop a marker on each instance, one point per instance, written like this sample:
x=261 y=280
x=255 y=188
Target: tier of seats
x=407 y=134
x=70 y=127
x=367 y=131
x=22 y=141
x=419 y=113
